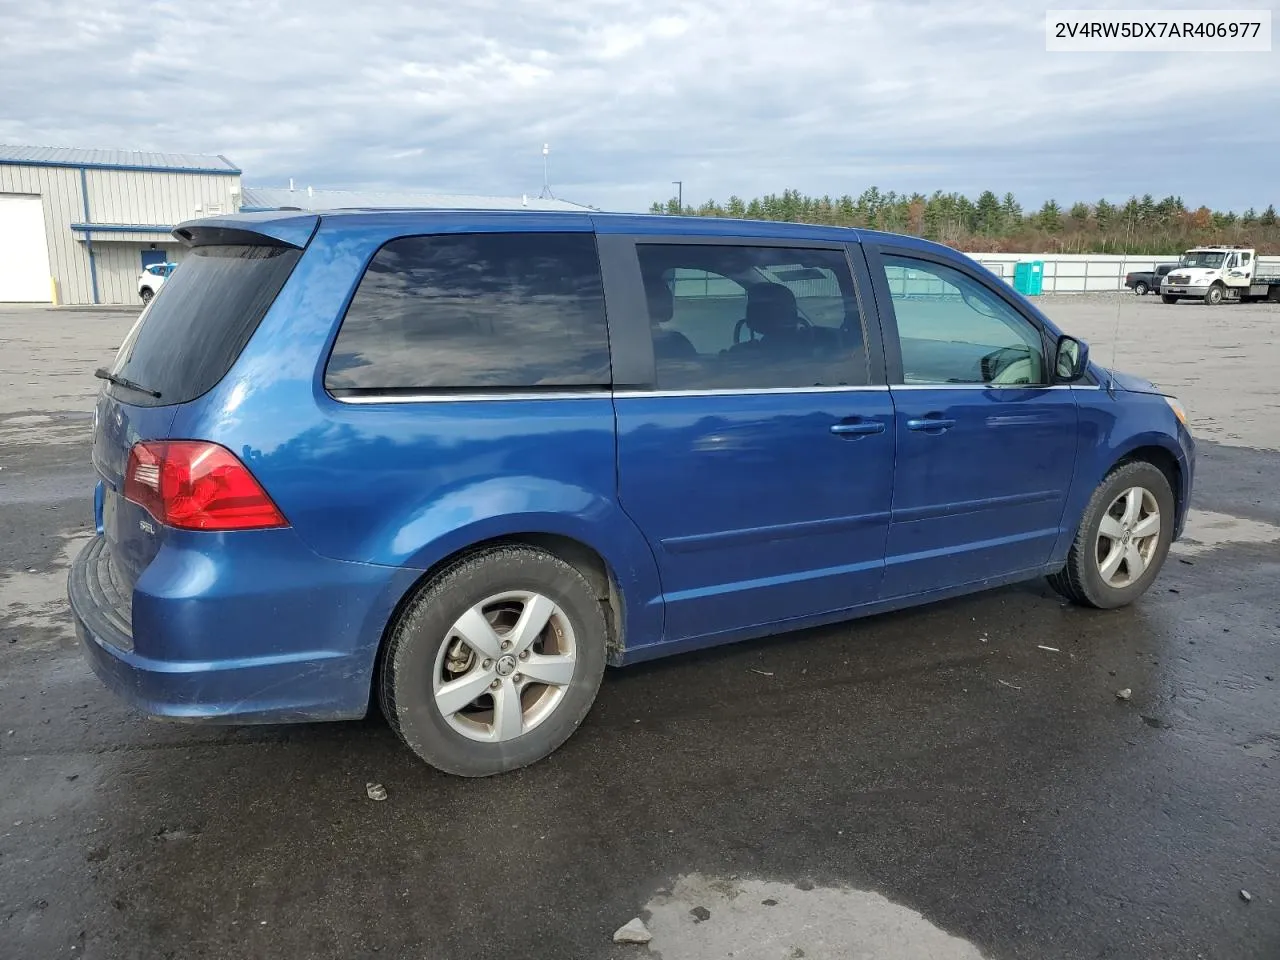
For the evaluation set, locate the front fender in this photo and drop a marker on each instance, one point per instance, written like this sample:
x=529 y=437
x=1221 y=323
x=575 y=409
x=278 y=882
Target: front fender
x=1113 y=425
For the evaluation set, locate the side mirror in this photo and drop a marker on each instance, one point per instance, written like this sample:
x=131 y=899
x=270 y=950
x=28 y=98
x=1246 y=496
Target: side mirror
x=1071 y=360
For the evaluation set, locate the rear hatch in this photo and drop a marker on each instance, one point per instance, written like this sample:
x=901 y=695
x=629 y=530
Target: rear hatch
x=183 y=343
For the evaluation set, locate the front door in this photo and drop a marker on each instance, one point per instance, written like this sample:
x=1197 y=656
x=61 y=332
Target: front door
x=1238 y=270
x=986 y=448
x=759 y=462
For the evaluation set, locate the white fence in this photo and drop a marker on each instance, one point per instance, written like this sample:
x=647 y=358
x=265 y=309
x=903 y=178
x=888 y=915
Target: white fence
x=1087 y=272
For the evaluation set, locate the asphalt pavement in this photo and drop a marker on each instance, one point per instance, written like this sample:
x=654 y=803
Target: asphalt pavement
x=949 y=782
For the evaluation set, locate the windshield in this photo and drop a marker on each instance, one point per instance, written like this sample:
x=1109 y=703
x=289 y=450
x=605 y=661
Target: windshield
x=1203 y=258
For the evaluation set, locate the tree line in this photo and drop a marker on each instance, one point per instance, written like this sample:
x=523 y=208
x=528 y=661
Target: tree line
x=991 y=224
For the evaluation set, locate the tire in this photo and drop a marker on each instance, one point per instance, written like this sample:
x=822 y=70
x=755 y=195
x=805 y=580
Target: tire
x=1168 y=299
x=146 y=293
x=1081 y=581
x=1214 y=295
x=1140 y=289
x=426 y=645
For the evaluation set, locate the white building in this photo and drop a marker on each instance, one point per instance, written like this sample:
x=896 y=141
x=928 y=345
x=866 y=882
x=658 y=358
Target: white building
x=77 y=226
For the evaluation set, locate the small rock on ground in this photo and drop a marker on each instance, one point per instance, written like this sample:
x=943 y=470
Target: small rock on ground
x=1246 y=896
x=1124 y=694
x=375 y=791
x=633 y=931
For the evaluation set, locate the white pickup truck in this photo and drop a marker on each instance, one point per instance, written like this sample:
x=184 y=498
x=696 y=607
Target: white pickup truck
x=1215 y=274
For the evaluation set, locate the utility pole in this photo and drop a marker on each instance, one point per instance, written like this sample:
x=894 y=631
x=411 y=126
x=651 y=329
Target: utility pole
x=679 y=184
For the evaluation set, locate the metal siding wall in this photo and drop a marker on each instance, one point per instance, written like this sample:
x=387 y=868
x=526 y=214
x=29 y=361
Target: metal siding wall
x=136 y=196
x=59 y=188
x=115 y=196
x=120 y=264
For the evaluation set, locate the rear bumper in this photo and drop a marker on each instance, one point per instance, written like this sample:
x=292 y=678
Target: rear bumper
x=276 y=635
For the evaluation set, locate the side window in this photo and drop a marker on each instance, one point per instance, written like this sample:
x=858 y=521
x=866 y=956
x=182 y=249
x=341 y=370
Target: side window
x=749 y=317
x=1233 y=261
x=473 y=312
x=1244 y=258
x=954 y=330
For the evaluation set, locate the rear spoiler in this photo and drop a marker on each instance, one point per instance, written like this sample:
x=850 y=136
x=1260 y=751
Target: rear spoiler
x=258 y=229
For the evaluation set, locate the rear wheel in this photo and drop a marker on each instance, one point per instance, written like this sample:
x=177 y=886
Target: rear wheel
x=1168 y=299
x=1213 y=296
x=1122 y=540
x=146 y=293
x=1140 y=288
x=495 y=662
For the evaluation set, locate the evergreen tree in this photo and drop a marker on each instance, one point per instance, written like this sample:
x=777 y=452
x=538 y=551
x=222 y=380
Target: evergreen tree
x=1050 y=216
x=1105 y=214
x=989 y=217
x=1139 y=226
x=1011 y=210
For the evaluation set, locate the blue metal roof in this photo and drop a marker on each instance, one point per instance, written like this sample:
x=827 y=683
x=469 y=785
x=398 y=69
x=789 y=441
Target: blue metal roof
x=116 y=160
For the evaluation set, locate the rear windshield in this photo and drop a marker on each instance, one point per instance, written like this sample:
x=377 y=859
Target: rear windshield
x=191 y=333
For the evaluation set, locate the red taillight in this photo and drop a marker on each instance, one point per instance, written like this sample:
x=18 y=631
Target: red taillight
x=196 y=485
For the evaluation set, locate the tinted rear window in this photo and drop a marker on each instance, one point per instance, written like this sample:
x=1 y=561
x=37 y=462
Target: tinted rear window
x=490 y=311
x=192 y=332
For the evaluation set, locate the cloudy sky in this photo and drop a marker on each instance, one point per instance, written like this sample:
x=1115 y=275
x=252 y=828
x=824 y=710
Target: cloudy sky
x=730 y=96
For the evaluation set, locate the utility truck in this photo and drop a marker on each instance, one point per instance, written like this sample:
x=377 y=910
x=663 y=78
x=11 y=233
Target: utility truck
x=1218 y=273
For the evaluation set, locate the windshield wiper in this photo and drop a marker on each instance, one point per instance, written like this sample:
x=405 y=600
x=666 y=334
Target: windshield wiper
x=102 y=373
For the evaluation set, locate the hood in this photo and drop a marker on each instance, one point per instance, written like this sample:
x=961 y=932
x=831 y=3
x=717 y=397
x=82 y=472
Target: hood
x=1132 y=384
x=1194 y=273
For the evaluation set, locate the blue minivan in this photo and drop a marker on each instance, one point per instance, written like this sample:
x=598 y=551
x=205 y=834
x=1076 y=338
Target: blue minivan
x=456 y=462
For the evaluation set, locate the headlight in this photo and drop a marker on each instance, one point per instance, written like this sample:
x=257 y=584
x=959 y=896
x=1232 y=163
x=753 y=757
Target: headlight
x=1177 y=409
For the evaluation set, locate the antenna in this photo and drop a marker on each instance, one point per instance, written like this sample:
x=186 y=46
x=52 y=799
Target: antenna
x=546 y=193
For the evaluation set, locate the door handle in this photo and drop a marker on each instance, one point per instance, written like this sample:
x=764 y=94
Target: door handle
x=857 y=428
x=930 y=424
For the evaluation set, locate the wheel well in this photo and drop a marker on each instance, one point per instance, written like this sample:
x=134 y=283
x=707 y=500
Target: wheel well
x=1166 y=463
x=573 y=552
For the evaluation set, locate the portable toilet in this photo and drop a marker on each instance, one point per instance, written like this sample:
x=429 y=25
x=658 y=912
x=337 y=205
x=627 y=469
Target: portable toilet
x=1028 y=277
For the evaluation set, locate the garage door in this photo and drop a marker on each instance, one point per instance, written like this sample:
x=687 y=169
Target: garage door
x=24 y=254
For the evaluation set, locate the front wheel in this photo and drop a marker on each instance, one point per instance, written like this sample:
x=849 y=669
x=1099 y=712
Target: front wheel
x=495 y=662
x=146 y=294
x=1122 y=540
x=1168 y=299
x=1214 y=295
x=1140 y=288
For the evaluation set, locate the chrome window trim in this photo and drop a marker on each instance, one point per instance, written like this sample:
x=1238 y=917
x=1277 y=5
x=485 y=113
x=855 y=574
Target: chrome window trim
x=748 y=391
x=984 y=386
x=473 y=397
x=723 y=392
